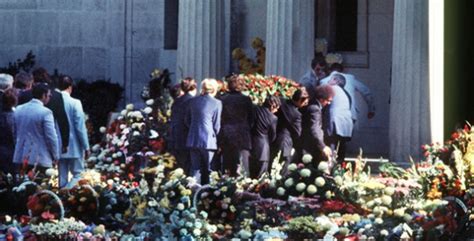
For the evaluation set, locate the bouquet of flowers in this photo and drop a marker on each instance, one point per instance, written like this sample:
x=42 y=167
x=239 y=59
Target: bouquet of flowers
x=306 y=179
x=81 y=201
x=258 y=87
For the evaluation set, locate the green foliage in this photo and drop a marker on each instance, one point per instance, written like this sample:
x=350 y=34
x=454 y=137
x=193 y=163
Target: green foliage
x=25 y=64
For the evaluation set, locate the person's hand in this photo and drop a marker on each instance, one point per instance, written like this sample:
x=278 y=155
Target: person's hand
x=370 y=115
x=327 y=152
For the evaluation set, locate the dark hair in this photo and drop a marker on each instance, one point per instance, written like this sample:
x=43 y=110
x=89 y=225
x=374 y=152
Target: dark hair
x=9 y=99
x=235 y=83
x=337 y=67
x=188 y=84
x=40 y=75
x=23 y=79
x=324 y=92
x=64 y=82
x=318 y=60
x=341 y=80
x=39 y=89
x=272 y=101
x=300 y=94
x=175 y=90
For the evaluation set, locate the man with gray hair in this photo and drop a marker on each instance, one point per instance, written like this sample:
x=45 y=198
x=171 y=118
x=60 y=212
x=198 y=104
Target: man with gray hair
x=6 y=81
x=203 y=118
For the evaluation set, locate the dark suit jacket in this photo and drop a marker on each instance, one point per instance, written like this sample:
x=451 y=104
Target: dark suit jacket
x=7 y=139
x=56 y=105
x=204 y=121
x=263 y=133
x=236 y=121
x=312 y=139
x=288 y=127
x=179 y=131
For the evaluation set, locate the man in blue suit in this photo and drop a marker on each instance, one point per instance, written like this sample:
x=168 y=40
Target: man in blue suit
x=72 y=160
x=204 y=122
x=179 y=131
x=37 y=140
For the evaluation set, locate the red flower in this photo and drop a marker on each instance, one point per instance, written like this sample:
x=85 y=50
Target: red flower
x=455 y=136
x=47 y=215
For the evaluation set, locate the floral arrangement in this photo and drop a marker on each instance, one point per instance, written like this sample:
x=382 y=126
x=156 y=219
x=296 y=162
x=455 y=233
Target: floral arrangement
x=81 y=201
x=258 y=87
x=321 y=49
x=247 y=65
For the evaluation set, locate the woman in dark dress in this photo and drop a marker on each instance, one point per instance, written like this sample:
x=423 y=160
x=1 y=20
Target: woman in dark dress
x=7 y=131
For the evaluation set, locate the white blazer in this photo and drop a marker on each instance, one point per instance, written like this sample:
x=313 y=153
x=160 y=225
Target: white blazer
x=36 y=138
x=78 y=140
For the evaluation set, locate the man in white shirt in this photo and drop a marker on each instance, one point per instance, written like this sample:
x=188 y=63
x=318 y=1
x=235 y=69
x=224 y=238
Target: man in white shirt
x=353 y=85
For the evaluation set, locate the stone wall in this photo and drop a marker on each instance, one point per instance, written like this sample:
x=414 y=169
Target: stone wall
x=119 y=40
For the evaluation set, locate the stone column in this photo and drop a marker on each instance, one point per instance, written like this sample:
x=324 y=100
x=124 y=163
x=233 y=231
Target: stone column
x=290 y=37
x=200 y=51
x=409 y=104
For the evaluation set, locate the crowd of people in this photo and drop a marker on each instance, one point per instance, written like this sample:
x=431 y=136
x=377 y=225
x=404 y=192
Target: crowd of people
x=221 y=131
x=42 y=125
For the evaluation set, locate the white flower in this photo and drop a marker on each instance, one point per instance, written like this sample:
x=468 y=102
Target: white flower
x=244 y=234
x=311 y=189
x=153 y=134
x=399 y=212
x=389 y=191
x=197 y=232
x=102 y=129
x=8 y=218
x=147 y=110
x=300 y=187
x=323 y=167
x=386 y=200
x=321 y=45
x=292 y=167
x=123 y=112
x=328 y=194
x=51 y=172
x=122 y=126
x=96 y=147
x=378 y=221
x=305 y=172
x=289 y=182
x=319 y=181
x=150 y=102
x=180 y=206
x=407 y=217
x=217 y=193
x=307 y=158
x=225 y=206
x=333 y=58
x=281 y=191
x=129 y=107
x=384 y=232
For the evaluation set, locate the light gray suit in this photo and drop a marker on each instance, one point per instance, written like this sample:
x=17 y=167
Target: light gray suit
x=36 y=139
x=353 y=85
x=73 y=160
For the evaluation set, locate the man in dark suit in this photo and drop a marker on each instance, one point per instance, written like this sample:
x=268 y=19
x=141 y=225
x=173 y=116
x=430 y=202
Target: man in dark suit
x=204 y=122
x=55 y=104
x=263 y=134
x=237 y=118
x=312 y=139
x=289 y=125
x=179 y=131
